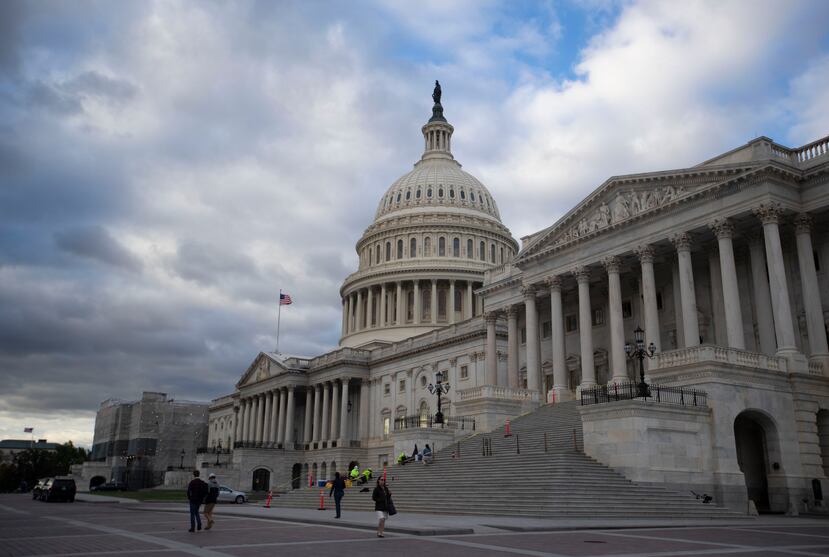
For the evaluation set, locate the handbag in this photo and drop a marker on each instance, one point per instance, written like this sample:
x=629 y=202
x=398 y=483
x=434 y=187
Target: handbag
x=390 y=507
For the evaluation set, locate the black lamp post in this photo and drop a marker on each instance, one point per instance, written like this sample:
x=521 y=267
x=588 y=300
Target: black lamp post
x=640 y=352
x=439 y=388
x=218 y=451
x=181 y=465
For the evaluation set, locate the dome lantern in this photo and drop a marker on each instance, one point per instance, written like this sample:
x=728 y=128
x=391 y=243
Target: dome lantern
x=437 y=133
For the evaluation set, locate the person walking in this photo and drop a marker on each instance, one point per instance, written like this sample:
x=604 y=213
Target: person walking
x=196 y=492
x=338 y=490
x=210 y=500
x=382 y=499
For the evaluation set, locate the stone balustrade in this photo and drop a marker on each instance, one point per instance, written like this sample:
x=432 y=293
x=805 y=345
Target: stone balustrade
x=816 y=368
x=719 y=354
x=349 y=354
x=497 y=392
x=806 y=153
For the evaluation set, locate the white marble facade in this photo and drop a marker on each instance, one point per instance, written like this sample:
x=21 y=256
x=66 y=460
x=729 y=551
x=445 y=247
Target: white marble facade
x=724 y=264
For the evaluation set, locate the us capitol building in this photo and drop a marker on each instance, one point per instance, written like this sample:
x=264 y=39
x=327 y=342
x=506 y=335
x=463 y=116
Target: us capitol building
x=725 y=265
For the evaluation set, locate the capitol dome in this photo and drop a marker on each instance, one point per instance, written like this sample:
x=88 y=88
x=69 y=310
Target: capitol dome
x=436 y=230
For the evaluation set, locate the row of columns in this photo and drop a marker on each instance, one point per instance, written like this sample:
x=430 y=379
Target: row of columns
x=393 y=306
x=773 y=294
x=266 y=418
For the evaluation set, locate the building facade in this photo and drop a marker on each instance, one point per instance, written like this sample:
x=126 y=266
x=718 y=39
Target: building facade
x=724 y=265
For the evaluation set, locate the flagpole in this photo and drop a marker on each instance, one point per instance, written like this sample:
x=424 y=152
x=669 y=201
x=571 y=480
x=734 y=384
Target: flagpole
x=278 y=319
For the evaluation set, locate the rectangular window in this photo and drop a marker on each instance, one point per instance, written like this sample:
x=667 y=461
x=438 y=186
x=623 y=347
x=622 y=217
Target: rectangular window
x=627 y=309
x=386 y=424
x=523 y=335
x=571 y=323
x=402 y=385
x=659 y=300
x=387 y=389
x=598 y=317
x=464 y=372
x=546 y=329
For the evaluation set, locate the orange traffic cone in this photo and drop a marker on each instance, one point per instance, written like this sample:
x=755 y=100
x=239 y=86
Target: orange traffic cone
x=322 y=501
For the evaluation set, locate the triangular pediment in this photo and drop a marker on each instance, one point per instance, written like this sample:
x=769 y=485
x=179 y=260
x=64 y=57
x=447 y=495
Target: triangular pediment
x=263 y=367
x=616 y=202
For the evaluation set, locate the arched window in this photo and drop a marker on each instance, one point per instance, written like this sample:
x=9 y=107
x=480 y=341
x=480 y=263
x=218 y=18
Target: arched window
x=440 y=192
x=429 y=193
x=452 y=193
x=470 y=251
x=492 y=253
x=398 y=197
x=463 y=194
x=502 y=255
x=424 y=414
x=377 y=254
x=399 y=249
x=472 y=196
x=413 y=247
x=427 y=247
x=482 y=251
x=456 y=247
x=408 y=195
x=441 y=246
x=388 y=251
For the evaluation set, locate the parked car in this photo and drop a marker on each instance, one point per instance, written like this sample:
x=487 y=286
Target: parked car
x=110 y=486
x=58 y=489
x=228 y=495
x=38 y=488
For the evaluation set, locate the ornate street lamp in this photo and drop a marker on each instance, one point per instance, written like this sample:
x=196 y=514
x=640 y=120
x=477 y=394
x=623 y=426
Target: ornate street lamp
x=439 y=388
x=181 y=465
x=640 y=352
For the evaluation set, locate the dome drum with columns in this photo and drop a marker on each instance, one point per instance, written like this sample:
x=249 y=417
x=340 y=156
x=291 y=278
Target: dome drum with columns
x=436 y=231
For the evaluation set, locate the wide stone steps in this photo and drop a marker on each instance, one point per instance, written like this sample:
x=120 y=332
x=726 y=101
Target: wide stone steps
x=557 y=481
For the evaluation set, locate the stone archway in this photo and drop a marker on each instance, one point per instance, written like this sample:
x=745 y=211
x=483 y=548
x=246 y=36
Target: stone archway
x=261 y=479
x=756 y=440
x=296 y=476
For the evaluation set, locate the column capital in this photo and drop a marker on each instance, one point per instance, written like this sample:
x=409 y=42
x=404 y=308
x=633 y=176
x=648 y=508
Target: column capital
x=722 y=228
x=645 y=253
x=512 y=311
x=682 y=241
x=491 y=317
x=528 y=291
x=611 y=264
x=769 y=213
x=451 y=281
x=803 y=223
x=553 y=282
x=581 y=273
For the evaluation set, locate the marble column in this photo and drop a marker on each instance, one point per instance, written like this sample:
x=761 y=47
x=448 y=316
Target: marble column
x=266 y=434
x=588 y=368
x=308 y=431
x=283 y=413
x=618 y=359
x=418 y=303
x=317 y=413
x=450 y=307
x=290 y=438
x=770 y=215
x=762 y=297
x=400 y=318
x=369 y=307
x=513 y=338
x=469 y=301
x=531 y=319
x=718 y=332
x=365 y=390
x=248 y=437
x=690 y=322
x=731 y=289
x=434 y=302
x=334 y=432
x=325 y=423
x=652 y=330
x=560 y=379
x=819 y=351
x=243 y=420
x=491 y=355
x=345 y=317
x=358 y=326
x=381 y=320
x=344 y=412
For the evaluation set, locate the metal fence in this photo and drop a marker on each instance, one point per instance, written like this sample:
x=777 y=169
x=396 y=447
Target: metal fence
x=428 y=422
x=678 y=396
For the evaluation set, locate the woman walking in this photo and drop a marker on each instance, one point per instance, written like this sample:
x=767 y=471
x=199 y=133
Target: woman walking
x=210 y=500
x=338 y=490
x=382 y=501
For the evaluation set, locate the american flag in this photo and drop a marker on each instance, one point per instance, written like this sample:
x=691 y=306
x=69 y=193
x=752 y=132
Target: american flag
x=28 y=430
x=285 y=299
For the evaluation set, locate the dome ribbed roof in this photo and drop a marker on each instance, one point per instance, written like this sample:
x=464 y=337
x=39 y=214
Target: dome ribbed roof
x=434 y=183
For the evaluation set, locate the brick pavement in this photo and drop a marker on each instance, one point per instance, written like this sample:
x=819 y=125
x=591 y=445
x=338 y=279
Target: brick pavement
x=32 y=529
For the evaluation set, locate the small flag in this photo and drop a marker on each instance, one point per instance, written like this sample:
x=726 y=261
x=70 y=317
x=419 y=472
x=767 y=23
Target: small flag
x=28 y=430
x=285 y=300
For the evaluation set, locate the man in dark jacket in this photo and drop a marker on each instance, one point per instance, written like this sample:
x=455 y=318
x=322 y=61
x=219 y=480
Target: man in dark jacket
x=196 y=492
x=338 y=490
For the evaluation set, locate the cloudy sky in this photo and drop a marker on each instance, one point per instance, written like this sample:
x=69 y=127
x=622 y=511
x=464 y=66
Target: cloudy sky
x=167 y=167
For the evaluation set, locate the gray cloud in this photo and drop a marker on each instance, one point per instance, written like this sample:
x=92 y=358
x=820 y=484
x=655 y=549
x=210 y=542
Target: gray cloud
x=95 y=242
